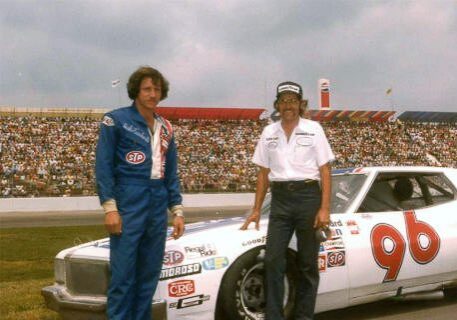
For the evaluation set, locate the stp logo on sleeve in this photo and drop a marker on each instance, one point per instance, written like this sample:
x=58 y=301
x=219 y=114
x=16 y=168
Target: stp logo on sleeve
x=181 y=288
x=135 y=157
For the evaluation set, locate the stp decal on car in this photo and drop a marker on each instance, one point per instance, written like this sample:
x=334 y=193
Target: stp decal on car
x=388 y=245
x=135 y=157
x=180 y=271
x=336 y=259
x=215 y=263
x=181 y=288
x=189 y=301
x=173 y=257
x=203 y=250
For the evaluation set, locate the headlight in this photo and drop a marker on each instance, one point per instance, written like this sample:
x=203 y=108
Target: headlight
x=59 y=270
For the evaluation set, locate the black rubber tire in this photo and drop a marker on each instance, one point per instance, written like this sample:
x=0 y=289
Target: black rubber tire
x=450 y=294
x=246 y=274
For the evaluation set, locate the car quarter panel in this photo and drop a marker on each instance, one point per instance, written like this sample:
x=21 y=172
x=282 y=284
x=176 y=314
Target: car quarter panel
x=396 y=251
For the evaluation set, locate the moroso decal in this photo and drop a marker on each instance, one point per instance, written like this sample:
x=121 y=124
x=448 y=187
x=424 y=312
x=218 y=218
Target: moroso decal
x=135 y=157
x=172 y=257
x=336 y=259
x=181 y=288
x=180 y=271
x=189 y=301
x=215 y=263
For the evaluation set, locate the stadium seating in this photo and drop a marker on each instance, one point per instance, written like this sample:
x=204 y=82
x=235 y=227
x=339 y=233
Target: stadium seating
x=54 y=156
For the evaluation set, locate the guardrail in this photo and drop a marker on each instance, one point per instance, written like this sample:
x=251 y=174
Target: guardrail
x=92 y=203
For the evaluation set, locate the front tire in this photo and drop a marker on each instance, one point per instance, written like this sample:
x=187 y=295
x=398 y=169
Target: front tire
x=241 y=295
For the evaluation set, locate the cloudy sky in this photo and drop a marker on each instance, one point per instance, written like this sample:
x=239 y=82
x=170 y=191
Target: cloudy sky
x=231 y=52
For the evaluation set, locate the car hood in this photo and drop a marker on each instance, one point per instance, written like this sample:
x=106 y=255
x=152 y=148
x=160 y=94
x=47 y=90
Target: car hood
x=99 y=249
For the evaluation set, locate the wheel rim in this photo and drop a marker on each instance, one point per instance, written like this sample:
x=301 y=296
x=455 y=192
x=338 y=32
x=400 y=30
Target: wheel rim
x=252 y=292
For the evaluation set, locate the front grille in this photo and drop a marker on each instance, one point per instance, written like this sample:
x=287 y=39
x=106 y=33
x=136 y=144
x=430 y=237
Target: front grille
x=87 y=277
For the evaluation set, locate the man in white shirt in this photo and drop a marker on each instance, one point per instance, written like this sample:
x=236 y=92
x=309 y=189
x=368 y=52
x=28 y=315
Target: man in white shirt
x=294 y=158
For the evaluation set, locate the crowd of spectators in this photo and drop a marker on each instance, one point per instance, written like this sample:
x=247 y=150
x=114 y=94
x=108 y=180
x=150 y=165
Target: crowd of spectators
x=54 y=156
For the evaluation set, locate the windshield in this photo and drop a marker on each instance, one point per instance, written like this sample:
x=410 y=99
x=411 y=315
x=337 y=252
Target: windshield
x=344 y=190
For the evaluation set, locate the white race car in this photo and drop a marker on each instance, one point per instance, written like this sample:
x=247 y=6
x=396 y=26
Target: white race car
x=393 y=234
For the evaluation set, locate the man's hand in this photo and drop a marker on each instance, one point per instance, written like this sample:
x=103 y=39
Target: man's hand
x=322 y=218
x=178 y=227
x=113 y=222
x=253 y=217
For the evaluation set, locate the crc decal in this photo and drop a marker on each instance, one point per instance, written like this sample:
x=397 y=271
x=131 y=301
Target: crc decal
x=215 y=263
x=180 y=271
x=173 y=257
x=336 y=259
x=322 y=262
x=254 y=241
x=204 y=250
x=389 y=246
x=181 y=288
x=135 y=157
x=189 y=301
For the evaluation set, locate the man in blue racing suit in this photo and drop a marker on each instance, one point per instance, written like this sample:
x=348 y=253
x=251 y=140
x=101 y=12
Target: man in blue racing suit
x=137 y=181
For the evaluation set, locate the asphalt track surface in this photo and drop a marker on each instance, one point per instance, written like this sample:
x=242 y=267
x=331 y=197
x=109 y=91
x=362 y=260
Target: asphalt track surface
x=427 y=309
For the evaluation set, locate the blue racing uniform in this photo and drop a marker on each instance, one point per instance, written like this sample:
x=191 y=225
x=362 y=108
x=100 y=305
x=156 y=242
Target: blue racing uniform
x=136 y=168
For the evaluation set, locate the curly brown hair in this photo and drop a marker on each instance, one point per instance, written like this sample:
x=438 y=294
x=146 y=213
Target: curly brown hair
x=133 y=86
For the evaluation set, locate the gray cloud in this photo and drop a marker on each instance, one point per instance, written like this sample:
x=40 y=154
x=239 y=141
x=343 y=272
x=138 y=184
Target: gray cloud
x=231 y=53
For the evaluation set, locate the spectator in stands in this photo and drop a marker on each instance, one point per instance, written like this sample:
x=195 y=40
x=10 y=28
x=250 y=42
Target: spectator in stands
x=45 y=149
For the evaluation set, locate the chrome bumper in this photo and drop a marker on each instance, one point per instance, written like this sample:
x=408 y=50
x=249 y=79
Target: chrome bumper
x=94 y=308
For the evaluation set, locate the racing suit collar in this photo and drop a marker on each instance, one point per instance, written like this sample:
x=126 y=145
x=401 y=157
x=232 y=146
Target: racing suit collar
x=138 y=117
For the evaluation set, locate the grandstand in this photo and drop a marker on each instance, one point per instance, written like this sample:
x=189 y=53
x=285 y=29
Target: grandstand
x=50 y=151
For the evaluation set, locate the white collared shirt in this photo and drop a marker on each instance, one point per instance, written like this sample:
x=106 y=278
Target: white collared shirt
x=296 y=159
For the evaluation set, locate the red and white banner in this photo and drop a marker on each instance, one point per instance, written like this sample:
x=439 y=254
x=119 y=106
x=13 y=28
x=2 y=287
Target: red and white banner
x=324 y=93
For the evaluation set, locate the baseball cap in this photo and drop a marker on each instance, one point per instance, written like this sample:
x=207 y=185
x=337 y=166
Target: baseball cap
x=289 y=86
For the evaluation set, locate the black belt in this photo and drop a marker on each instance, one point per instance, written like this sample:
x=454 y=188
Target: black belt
x=293 y=185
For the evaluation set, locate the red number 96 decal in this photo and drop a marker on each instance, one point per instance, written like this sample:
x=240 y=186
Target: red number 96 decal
x=389 y=246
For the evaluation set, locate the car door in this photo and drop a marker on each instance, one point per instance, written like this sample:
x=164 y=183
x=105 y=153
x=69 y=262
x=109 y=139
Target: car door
x=402 y=244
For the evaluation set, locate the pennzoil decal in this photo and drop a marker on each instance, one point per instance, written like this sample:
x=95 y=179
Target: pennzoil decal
x=215 y=263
